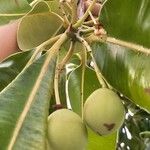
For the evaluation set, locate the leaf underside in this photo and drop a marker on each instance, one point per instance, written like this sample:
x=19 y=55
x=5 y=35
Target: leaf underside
x=39 y=25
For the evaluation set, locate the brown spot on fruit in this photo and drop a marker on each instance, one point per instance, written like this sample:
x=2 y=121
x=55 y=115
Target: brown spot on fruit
x=99 y=103
x=147 y=90
x=109 y=126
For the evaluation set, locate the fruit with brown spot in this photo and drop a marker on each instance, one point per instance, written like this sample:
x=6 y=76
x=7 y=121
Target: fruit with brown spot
x=103 y=111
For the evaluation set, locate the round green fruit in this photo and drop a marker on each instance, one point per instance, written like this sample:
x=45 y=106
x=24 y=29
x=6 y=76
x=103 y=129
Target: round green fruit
x=103 y=111
x=66 y=131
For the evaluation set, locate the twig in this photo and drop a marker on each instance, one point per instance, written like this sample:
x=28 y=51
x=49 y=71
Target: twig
x=84 y=59
x=92 y=17
x=65 y=19
x=74 y=11
x=90 y=22
x=41 y=47
x=88 y=30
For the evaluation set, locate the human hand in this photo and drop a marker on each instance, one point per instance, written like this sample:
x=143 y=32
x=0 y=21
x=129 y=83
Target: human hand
x=8 y=40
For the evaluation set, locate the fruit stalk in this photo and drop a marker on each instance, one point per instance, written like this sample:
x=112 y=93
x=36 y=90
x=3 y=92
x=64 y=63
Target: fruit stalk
x=98 y=73
x=59 y=68
x=84 y=59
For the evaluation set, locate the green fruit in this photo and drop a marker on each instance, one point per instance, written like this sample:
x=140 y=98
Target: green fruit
x=66 y=131
x=103 y=111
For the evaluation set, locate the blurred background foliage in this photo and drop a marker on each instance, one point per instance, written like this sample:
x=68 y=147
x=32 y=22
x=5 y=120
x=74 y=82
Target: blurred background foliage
x=135 y=132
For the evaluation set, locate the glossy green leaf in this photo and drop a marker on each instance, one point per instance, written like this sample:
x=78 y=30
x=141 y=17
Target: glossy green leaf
x=12 y=66
x=128 y=20
x=37 y=26
x=24 y=107
x=126 y=70
x=12 y=7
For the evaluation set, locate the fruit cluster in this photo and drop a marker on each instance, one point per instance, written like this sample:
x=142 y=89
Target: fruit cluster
x=103 y=112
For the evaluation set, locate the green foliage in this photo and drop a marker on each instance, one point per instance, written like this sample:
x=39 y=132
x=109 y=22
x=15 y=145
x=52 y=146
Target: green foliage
x=127 y=20
x=135 y=131
x=12 y=7
x=74 y=82
x=23 y=113
x=12 y=66
x=37 y=26
x=28 y=94
x=125 y=69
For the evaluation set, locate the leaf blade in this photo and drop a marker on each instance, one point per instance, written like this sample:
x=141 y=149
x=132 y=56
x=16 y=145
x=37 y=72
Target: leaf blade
x=74 y=82
x=12 y=7
x=128 y=67
x=12 y=105
x=129 y=71
x=12 y=66
x=36 y=27
x=131 y=23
